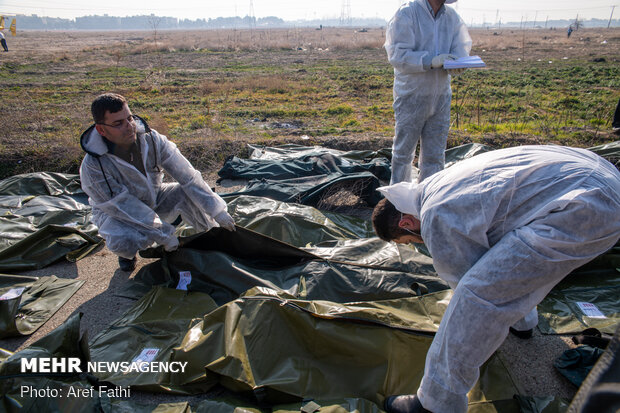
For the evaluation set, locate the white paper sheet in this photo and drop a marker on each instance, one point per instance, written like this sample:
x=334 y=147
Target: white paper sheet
x=464 y=62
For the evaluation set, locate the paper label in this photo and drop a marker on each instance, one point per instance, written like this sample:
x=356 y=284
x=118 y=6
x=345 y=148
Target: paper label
x=12 y=293
x=590 y=310
x=185 y=277
x=146 y=355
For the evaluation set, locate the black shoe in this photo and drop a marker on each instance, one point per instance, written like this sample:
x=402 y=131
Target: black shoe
x=524 y=334
x=127 y=264
x=408 y=403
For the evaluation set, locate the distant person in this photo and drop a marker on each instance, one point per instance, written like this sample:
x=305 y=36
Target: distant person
x=3 y=41
x=503 y=228
x=122 y=174
x=421 y=36
x=569 y=31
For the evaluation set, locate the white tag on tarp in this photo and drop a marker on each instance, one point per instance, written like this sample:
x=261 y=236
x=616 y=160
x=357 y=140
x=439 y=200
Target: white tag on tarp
x=12 y=293
x=185 y=277
x=146 y=355
x=590 y=310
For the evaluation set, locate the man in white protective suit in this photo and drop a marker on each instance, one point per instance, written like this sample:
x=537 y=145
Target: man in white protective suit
x=122 y=173
x=503 y=228
x=421 y=36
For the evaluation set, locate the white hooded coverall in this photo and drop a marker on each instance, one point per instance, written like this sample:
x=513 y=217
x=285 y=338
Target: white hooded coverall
x=503 y=228
x=132 y=210
x=422 y=95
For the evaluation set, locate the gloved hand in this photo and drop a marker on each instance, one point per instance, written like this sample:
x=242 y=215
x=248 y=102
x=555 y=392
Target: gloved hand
x=437 y=62
x=225 y=220
x=171 y=244
x=456 y=72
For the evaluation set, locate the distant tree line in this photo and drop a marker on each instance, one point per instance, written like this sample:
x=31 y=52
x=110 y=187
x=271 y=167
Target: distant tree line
x=149 y=22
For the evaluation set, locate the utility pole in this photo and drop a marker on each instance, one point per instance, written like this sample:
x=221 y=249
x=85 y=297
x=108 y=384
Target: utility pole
x=577 y=24
x=252 y=17
x=612 y=15
x=345 y=13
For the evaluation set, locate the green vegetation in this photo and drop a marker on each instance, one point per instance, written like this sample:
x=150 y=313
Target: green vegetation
x=199 y=96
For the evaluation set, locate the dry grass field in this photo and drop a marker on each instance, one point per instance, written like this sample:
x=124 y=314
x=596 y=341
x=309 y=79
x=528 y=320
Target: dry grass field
x=213 y=91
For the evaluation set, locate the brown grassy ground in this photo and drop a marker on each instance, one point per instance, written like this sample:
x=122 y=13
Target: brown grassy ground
x=213 y=91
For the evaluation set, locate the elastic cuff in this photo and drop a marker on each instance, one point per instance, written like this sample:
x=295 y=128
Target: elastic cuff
x=436 y=398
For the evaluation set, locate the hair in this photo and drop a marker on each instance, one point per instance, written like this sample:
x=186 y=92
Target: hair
x=111 y=102
x=385 y=219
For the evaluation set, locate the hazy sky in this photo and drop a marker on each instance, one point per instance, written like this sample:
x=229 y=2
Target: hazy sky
x=475 y=11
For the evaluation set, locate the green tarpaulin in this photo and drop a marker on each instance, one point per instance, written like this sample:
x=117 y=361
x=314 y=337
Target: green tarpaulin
x=45 y=217
x=279 y=348
x=575 y=363
x=294 y=161
x=65 y=341
x=588 y=297
x=28 y=302
x=276 y=347
x=225 y=264
x=295 y=224
x=313 y=190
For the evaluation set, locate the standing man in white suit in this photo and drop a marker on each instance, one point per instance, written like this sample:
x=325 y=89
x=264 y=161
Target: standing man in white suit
x=421 y=36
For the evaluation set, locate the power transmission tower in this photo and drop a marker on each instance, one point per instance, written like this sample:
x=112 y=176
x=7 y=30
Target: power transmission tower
x=345 y=13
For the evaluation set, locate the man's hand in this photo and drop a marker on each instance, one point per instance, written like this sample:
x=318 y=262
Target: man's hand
x=225 y=220
x=171 y=244
x=456 y=72
x=437 y=62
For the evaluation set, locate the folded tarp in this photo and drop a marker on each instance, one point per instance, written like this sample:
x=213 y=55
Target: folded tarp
x=576 y=363
x=294 y=161
x=296 y=224
x=462 y=152
x=310 y=175
x=281 y=349
x=293 y=151
x=589 y=297
x=225 y=264
x=155 y=325
x=312 y=190
x=45 y=217
x=65 y=341
x=28 y=302
x=298 y=161
x=609 y=151
x=278 y=349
